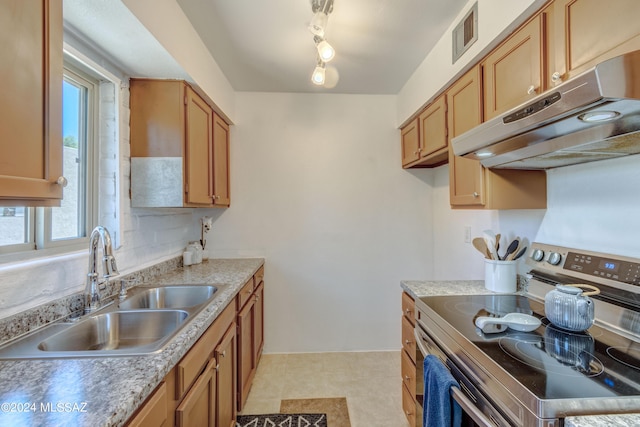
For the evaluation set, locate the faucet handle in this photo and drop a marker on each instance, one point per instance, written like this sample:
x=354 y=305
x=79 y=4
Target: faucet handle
x=110 y=268
x=123 y=290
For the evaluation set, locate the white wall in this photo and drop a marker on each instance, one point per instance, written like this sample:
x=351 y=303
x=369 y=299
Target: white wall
x=595 y=206
x=496 y=18
x=317 y=188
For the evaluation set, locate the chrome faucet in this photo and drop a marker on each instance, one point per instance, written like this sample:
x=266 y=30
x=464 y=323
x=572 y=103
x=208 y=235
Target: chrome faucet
x=93 y=288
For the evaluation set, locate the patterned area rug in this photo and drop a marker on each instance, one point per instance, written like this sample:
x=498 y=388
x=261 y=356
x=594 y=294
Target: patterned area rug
x=335 y=408
x=322 y=412
x=282 y=420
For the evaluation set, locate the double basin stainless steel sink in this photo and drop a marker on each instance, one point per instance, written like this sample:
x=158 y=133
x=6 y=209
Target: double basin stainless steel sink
x=143 y=323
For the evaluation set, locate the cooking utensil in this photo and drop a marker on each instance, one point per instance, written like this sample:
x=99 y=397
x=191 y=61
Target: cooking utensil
x=517 y=321
x=513 y=246
x=568 y=307
x=490 y=240
x=480 y=244
x=519 y=254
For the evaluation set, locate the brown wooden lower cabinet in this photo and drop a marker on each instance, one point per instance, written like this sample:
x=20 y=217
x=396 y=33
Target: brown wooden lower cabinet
x=213 y=379
x=198 y=407
x=250 y=333
x=225 y=355
x=154 y=411
x=407 y=359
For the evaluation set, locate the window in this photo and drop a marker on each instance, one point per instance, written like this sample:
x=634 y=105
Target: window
x=24 y=229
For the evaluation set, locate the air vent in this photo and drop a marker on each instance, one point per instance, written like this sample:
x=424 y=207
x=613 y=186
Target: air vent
x=465 y=33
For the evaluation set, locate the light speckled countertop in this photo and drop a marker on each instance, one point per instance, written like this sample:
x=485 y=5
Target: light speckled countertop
x=105 y=391
x=418 y=289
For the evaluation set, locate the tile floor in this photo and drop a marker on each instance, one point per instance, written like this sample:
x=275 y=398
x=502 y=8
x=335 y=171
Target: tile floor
x=370 y=381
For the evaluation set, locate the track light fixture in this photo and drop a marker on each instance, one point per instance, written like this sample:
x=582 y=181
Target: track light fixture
x=325 y=50
x=321 y=10
x=318 y=75
x=318 y=26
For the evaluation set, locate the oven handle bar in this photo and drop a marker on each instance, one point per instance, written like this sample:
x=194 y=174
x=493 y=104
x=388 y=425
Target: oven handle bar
x=458 y=395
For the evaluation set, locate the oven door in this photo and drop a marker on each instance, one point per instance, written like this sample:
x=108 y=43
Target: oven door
x=476 y=409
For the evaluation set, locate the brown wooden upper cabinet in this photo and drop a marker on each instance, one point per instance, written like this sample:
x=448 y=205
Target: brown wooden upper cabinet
x=31 y=105
x=424 y=139
x=512 y=73
x=470 y=184
x=179 y=147
x=466 y=176
x=583 y=33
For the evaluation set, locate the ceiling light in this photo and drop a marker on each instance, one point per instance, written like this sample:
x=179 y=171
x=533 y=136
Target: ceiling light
x=598 y=116
x=318 y=24
x=318 y=75
x=322 y=75
x=325 y=50
x=321 y=10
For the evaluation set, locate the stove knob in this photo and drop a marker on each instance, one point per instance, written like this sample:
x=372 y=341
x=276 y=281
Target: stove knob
x=554 y=258
x=537 y=255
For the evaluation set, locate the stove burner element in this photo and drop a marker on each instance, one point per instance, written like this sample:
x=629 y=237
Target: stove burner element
x=626 y=355
x=558 y=353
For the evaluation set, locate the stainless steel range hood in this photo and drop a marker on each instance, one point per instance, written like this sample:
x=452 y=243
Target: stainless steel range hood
x=593 y=116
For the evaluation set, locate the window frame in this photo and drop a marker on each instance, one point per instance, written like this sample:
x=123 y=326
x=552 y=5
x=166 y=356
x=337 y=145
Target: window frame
x=38 y=220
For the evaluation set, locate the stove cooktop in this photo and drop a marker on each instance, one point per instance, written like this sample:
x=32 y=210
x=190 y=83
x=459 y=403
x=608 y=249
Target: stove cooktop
x=549 y=362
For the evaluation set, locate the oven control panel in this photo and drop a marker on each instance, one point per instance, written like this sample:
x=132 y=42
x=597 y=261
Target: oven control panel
x=588 y=265
x=606 y=267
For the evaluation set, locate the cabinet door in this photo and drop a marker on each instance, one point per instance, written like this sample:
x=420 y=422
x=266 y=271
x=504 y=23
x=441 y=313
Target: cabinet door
x=513 y=72
x=198 y=407
x=466 y=176
x=246 y=351
x=220 y=162
x=433 y=130
x=31 y=106
x=199 y=143
x=154 y=411
x=410 y=142
x=226 y=382
x=590 y=31
x=258 y=327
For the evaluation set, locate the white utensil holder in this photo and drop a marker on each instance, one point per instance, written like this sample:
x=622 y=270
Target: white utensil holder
x=500 y=276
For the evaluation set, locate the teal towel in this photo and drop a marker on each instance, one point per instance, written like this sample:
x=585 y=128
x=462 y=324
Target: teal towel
x=440 y=410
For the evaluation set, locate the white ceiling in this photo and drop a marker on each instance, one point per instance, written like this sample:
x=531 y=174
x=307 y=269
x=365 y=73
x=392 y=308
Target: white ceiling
x=265 y=46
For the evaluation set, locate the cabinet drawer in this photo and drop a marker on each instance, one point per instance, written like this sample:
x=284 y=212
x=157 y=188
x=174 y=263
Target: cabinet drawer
x=198 y=407
x=259 y=276
x=408 y=370
x=154 y=411
x=408 y=339
x=245 y=293
x=190 y=367
x=409 y=406
x=408 y=308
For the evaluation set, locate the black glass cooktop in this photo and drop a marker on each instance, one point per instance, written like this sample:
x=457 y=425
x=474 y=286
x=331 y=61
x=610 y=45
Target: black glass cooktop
x=551 y=362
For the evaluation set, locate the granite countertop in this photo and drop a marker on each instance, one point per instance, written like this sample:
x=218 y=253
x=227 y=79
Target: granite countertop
x=105 y=391
x=417 y=289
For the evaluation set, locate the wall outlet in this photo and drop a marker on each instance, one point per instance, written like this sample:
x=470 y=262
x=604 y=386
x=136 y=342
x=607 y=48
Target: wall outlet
x=467 y=234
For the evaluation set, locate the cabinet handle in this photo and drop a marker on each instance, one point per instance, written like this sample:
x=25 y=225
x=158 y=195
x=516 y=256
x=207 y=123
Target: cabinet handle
x=531 y=90
x=407 y=310
x=406 y=377
x=407 y=342
x=556 y=77
x=475 y=194
x=62 y=181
